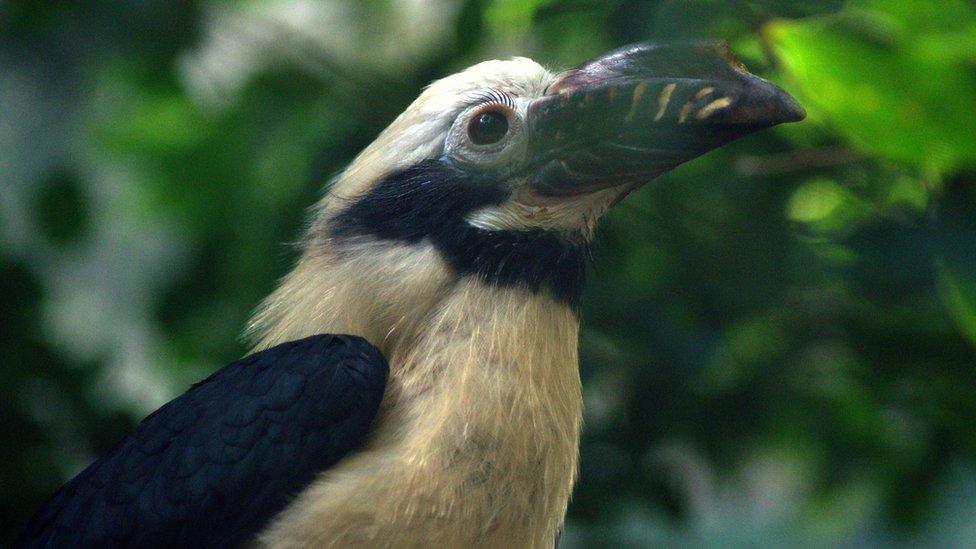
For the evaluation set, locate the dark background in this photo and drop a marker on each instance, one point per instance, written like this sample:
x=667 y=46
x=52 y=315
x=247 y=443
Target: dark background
x=779 y=338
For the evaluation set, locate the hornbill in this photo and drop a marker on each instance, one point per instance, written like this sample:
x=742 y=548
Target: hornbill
x=450 y=256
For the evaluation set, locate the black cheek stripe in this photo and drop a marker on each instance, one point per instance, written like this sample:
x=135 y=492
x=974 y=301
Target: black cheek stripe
x=431 y=200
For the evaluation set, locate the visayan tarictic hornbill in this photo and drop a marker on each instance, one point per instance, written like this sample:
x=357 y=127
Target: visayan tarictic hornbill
x=452 y=252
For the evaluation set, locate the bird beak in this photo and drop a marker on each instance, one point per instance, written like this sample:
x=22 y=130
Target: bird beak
x=637 y=112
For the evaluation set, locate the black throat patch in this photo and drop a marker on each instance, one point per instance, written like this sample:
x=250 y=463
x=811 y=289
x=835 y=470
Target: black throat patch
x=431 y=199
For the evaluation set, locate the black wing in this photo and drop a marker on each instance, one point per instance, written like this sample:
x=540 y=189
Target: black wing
x=214 y=465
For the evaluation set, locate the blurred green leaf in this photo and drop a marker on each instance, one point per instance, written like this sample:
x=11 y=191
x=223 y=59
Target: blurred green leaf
x=958 y=290
x=513 y=17
x=955 y=244
x=896 y=99
x=731 y=19
x=825 y=206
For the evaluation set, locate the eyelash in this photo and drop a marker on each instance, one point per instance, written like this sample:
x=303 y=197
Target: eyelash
x=492 y=95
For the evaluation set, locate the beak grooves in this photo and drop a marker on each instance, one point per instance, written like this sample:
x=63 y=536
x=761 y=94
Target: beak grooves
x=636 y=112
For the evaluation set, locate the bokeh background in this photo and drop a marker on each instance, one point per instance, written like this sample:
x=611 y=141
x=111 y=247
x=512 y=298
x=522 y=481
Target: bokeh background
x=779 y=343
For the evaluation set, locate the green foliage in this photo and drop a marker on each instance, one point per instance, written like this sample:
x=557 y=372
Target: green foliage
x=779 y=338
x=909 y=96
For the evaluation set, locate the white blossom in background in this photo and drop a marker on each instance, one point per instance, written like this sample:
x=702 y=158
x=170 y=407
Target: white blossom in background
x=241 y=41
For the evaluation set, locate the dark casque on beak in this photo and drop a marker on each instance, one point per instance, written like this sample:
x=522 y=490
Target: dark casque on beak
x=639 y=111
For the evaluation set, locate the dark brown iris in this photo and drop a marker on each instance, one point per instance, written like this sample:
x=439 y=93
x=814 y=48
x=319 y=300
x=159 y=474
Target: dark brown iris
x=488 y=128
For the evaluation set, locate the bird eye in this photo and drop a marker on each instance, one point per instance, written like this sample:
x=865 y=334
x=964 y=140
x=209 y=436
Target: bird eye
x=487 y=128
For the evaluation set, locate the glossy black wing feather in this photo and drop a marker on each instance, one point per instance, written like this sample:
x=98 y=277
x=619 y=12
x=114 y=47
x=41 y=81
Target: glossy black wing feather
x=212 y=467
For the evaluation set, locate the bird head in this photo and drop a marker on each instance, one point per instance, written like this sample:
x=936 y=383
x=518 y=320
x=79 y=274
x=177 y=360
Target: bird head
x=507 y=145
x=502 y=170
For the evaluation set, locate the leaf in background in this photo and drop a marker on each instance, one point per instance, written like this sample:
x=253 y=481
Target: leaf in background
x=959 y=295
x=875 y=74
x=512 y=17
x=795 y=9
x=724 y=19
x=956 y=253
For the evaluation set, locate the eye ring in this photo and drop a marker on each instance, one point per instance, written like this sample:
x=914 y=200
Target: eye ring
x=490 y=125
x=495 y=141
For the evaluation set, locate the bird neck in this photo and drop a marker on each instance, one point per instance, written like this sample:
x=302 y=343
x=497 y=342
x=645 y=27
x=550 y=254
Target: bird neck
x=508 y=347
x=425 y=319
x=389 y=291
x=434 y=327
x=486 y=402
